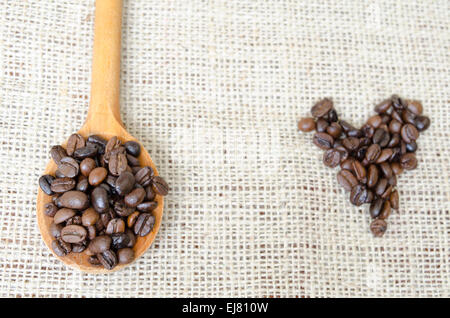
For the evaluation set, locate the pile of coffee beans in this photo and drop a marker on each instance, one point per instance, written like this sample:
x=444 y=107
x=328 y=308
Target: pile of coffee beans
x=102 y=199
x=373 y=156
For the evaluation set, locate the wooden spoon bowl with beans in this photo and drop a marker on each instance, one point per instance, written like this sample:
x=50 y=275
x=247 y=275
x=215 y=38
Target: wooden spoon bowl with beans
x=104 y=121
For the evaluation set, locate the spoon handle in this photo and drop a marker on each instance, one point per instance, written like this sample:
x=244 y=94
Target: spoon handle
x=105 y=85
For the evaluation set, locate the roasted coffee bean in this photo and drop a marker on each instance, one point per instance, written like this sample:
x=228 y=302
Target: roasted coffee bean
x=365 y=162
x=359 y=171
x=398 y=102
x=105 y=218
x=323 y=141
x=346 y=179
x=57 y=202
x=357 y=133
x=87 y=165
x=368 y=132
x=408 y=117
x=395 y=154
x=347 y=164
x=376 y=207
x=111 y=181
x=373 y=152
x=381 y=137
x=374 y=121
x=55 y=230
x=378 y=227
x=321 y=125
x=119 y=240
x=132 y=238
x=125 y=255
x=150 y=194
x=396 y=168
x=346 y=127
x=385 y=210
x=57 y=153
x=89 y=217
x=62 y=215
x=322 y=108
x=116 y=225
x=93 y=260
x=334 y=130
x=122 y=209
x=331 y=158
x=384 y=106
x=397 y=116
x=74 y=142
x=69 y=167
x=97 y=176
x=351 y=143
x=61 y=248
x=132 y=219
x=392 y=180
x=74 y=220
x=74 y=200
x=386 y=169
x=58 y=174
x=133 y=148
x=409 y=133
x=132 y=161
x=144 y=176
x=395 y=141
x=99 y=142
x=108 y=259
x=385 y=155
x=50 y=209
x=73 y=234
x=61 y=185
x=82 y=184
x=381 y=186
x=343 y=152
x=160 y=186
x=361 y=153
x=414 y=107
x=411 y=147
x=99 y=199
x=394 y=200
x=372 y=176
x=422 y=123
x=125 y=183
x=387 y=193
x=147 y=206
x=365 y=142
x=45 y=182
x=408 y=161
x=100 y=244
x=144 y=224
x=358 y=195
x=370 y=196
x=117 y=162
x=85 y=152
x=403 y=148
x=92 y=232
x=395 y=126
x=113 y=143
x=135 y=197
x=385 y=119
x=79 y=247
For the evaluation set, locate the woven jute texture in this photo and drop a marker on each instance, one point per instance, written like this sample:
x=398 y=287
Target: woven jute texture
x=214 y=89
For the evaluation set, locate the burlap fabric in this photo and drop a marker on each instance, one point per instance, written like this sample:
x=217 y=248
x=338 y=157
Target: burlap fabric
x=214 y=90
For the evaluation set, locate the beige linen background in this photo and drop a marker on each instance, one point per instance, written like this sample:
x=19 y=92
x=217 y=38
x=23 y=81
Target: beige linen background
x=214 y=90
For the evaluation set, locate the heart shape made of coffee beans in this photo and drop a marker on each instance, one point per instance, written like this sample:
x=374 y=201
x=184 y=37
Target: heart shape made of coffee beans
x=373 y=156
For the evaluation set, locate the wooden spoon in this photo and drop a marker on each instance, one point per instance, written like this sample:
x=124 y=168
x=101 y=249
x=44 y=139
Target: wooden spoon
x=104 y=120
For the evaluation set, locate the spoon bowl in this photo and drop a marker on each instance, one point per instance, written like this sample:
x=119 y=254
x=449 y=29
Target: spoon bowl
x=103 y=120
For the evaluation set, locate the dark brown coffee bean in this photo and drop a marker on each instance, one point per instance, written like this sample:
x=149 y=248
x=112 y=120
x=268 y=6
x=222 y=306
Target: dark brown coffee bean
x=144 y=224
x=381 y=137
x=332 y=116
x=386 y=169
x=50 y=209
x=69 y=167
x=331 y=158
x=358 y=195
x=113 y=143
x=392 y=180
x=357 y=133
x=119 y=240
x=133 y=148
x=346 y=127
x=74 y=220
x=147 y=206
x=132 y=238
x=360 y=154
x=321 y=125
x=45 y=182
x=376 y=207
x=351 y=143
x=385 y=155
x=394 y=200
x=135 y=197
x=55 y=230
x=92 y=232
x=408 y=117
x=395 y=126
x=395 y=141
x=57 y=153
x=368 y=132
x=342 y=152
x=61 y=185
x=89 y=217
x=82 y=184
x=73 y=234
x=372 y=176
x=374 y=121
x=347 y=164
x=414 y=107
x=108 y=259
x=99 y=199
x=117 y=162
x=323 y=140
x=422 y=123
x=411 y=147
x=100 y=244
x=116 y=225
x=61 y=248
x=306 y=124
x=125 y=255
x=132 y=219
x=408 y=161
x=378 y=227
x=97 y=176
x=132 y=161
x=384 y=106
x=99 y=142
x=57 y=202
x=346 y=179
x=402 y=148
x=334 y=130
x=398 y=103
x=359 y=171
x=381 y=186
x=125 y=183
x=387 y=193
x=160 y=186
x=79 y=247
x=63 y=215
x=322 y=108
x=373 y=152
x=58 y=174
x=396 y=168
x=74 y=142
x=93 y=260
x=144 y=176
x=87 y=165
x=85 y=152
x=385 y=211
x=121 y=209
x=409 y=133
